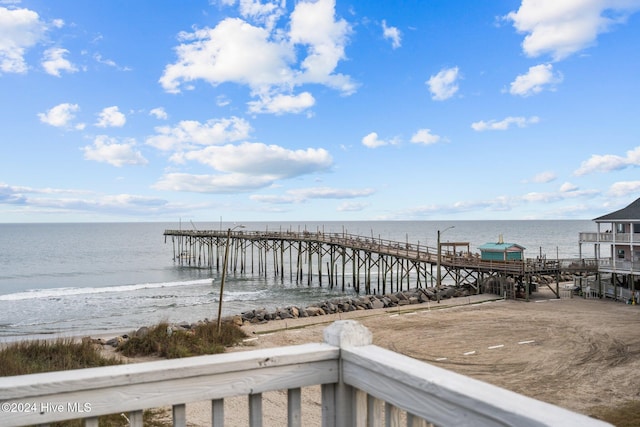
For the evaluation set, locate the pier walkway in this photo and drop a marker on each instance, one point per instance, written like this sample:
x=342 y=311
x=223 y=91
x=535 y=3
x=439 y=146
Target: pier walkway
x=367 y=264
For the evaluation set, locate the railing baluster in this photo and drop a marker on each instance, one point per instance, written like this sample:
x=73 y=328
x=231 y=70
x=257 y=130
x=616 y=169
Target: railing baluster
x=360 y=408
x=391 y=415
x=329 y=413
x=217 y=413
x=179 y=415
x=136 y=419
x=255 y=410
x=413 y=421
x=375 y=409
x=294 y=407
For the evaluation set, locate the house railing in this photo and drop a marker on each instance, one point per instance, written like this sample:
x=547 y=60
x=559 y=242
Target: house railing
x=609 y=237
x=618 y=265
x=361 y=384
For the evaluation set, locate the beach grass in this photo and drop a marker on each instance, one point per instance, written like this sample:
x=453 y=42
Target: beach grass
x=29 y=357
x=162 y=341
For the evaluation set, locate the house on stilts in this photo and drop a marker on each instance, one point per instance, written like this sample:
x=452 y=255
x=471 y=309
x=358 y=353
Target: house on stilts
x=617 y=251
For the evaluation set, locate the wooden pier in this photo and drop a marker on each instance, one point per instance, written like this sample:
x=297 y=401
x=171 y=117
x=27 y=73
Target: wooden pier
x=369 y=265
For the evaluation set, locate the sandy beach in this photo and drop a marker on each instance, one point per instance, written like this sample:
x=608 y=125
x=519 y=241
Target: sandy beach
x=575 y=353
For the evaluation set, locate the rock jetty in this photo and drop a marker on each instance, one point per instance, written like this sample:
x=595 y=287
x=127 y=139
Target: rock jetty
x=353 y=303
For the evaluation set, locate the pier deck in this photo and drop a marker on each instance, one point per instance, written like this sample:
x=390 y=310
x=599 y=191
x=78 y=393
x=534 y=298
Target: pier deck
x=372 y=265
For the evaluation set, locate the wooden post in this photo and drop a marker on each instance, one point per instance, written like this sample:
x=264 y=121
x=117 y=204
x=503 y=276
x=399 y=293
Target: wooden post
x=343 y=333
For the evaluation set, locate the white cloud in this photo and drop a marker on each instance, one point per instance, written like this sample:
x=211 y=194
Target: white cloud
x=222 y=101
x=20 y=30
x=266 y=13
x=261 y=159
x=544 y=177
x=624 y=188
x=372 y=141
x=233 y=51
x=352 y=207
x=109 y=62
x=504 y=124
x=61 y=200
x=301 y=195
x=609 y=162
x=444 y=84
x=245 y=167
x=189 y=134
x=59 y=116
x=159 y=113
x=108 y=150
x=111 y=117
x=264 y=58
x=54 y=62
x=567 y=191
x=568 y=187
x=424 y=136
x=562 y=28
x=313 y=24
x=224 y=184
x=537 y=78
x=393 y=34
x=329 y=193
x=280 y=104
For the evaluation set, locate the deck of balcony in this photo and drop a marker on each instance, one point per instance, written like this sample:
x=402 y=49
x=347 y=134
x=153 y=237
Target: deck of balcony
x=361 y=385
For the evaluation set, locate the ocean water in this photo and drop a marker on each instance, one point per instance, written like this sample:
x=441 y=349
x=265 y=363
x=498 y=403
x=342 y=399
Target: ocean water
x=71 y=279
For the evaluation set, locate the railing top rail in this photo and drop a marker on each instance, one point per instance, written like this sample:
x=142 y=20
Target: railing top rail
x=447 y=398
x=122 y=388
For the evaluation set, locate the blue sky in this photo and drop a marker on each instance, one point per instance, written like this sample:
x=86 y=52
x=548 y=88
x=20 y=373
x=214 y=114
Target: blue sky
x=318 y=110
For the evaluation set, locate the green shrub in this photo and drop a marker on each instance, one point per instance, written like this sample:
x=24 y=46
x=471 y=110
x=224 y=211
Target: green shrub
x=204 y=339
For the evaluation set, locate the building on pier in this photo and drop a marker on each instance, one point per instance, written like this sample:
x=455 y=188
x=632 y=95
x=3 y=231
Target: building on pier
x=501 y=251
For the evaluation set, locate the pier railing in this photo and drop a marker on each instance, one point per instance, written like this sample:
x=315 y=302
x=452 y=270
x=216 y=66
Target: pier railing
x=361 y=384
x=406 y=250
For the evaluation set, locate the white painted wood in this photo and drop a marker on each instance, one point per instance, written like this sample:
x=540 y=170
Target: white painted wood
x=255 y=410
x=446 y=398
x=217 y=413
x=347 y=375
x=391 y=415
x=344 y=407
x=360 y=408
x=136 y=419
x=413 y=421
x=179 y=415
x=343 y=333
x=131 y=396
x=328 y=395
x=375 y=412
x=294 y=407
x=21 y=386
x=124 y=388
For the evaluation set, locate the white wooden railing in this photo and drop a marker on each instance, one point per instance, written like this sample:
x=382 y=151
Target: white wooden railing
x=362 y=385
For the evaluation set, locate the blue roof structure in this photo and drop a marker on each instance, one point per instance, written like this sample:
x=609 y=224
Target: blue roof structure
x=501 y=247
x=501 y=251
